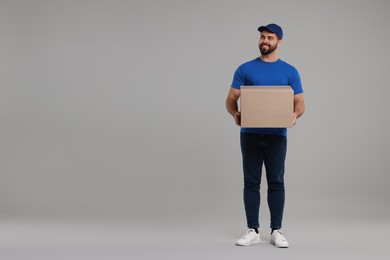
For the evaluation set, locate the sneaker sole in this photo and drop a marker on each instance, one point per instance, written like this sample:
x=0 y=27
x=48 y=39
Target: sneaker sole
x=248 y=244
x=280 y=246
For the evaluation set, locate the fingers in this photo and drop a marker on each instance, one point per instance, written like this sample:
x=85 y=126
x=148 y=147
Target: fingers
x=294 y=119
x=237 y=118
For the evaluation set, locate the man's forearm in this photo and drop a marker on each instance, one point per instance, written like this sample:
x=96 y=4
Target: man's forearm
x=299 y=108
x=231 y=106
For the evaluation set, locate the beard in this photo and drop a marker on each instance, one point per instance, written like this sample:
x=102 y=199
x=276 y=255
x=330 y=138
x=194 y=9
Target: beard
x=266 y=51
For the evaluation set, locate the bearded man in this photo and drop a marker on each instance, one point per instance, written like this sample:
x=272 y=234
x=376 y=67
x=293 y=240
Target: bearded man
x=265 y=145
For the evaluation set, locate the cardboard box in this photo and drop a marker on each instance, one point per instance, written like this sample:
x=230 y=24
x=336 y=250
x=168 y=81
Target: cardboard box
x=267 y=107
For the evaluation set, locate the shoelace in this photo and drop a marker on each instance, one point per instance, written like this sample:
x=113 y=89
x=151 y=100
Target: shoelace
x=279 y=235
x=248 y=233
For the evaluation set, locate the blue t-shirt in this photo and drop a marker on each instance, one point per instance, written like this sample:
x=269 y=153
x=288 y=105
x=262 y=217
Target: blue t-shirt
x=260 y=73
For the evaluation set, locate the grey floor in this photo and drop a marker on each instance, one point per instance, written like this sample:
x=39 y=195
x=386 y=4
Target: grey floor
x=208 y=239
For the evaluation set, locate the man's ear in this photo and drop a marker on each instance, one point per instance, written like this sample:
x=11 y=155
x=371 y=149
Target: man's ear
x=280 y=42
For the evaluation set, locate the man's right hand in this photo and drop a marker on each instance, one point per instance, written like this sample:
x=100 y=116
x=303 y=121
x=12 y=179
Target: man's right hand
x=237 y=118
x=232 y=106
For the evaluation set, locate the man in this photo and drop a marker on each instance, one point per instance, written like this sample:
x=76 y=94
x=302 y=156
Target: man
x=265 y=145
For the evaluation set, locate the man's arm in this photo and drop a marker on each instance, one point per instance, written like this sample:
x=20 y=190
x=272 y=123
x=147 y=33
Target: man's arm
x=232 y=106
x=299 y=107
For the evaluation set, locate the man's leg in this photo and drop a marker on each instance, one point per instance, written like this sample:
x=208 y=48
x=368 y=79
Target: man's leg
x=274 y=160
x=252 y=163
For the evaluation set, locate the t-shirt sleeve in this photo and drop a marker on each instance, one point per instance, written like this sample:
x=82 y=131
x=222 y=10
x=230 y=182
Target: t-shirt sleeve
x=238 y=79
x=296 y=84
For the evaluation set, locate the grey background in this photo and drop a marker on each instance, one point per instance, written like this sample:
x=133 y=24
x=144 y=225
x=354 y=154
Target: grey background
x=115 y=110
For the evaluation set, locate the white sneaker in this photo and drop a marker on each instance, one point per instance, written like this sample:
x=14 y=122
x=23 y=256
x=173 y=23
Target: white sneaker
x=251 y=237
x=278 y=239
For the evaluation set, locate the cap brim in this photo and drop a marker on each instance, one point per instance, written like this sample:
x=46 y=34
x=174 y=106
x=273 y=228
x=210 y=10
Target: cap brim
x=261 y=28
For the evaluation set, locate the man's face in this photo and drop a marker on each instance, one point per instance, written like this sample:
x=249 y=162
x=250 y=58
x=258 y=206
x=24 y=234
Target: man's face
x=268 y=42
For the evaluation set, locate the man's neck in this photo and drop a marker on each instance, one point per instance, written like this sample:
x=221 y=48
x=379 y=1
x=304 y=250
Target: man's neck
x=272 y=57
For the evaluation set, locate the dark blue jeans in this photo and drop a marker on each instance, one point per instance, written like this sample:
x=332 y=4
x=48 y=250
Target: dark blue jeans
x=270 y=150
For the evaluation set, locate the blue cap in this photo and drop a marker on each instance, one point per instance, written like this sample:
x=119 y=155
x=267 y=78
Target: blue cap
x=272 y=28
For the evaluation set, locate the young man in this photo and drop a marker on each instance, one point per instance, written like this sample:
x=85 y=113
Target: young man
x=265 y=145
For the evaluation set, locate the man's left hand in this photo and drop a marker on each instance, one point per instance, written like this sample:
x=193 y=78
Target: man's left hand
x=294 y=118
